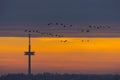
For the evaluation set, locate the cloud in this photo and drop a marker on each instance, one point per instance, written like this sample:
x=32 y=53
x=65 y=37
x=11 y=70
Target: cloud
x=79 y=30
x=15 y=13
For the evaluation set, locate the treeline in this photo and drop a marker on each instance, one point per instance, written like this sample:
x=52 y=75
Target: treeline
x=50 y=76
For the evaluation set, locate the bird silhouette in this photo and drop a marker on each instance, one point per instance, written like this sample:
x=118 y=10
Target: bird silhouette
x=87 y=40
x=33 y=31
x=29 y=30
x=98 y=27
x=25 y=30
x=49 y=23
x=109 y=27
x=71 y=25
x=82 y=40
x=90 y=26
x=64 y=26
x=87 y=30
x=56 y=23
x=37 y=31
x=61 y=24
x=64 y=41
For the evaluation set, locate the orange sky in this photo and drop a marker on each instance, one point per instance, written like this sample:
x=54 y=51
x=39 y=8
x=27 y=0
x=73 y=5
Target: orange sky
x=99 y=55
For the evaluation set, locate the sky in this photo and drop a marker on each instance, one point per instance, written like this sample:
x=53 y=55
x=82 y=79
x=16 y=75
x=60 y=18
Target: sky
x=98 y=56
x=17 y=15
x=35 y=11
x=94 y=52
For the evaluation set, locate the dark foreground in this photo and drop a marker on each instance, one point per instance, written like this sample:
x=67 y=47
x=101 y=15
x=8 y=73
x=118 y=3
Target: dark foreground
x=50 y=76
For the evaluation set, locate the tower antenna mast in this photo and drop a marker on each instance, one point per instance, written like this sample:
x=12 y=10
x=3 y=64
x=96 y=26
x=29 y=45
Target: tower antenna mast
x=29 y=53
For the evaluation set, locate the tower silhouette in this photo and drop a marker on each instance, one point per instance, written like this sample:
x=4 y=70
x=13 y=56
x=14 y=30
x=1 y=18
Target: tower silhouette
x=29 y=54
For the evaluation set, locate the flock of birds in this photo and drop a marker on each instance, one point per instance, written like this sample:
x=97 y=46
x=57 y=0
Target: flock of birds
x=45 y=33
x=61 y=24
x=99 y=27
x=90 y=27
x=67 y=27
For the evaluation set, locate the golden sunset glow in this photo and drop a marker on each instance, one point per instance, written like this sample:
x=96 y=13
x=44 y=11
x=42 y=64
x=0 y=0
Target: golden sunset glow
x=98 y=55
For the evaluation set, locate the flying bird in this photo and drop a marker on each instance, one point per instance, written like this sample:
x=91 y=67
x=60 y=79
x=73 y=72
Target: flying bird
x=71 y=25
x=64 y=41
x=33 y=31
x=98 y=27
x=82 y=40
x=87 y=40
x=37 y=31
x=90 y=26
x=25 y=30
x=56 y=23
x=49 y=24
x=64 y=26
x=29 y=30
x=109 y=27
x=87 y=30
x=61 y=24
